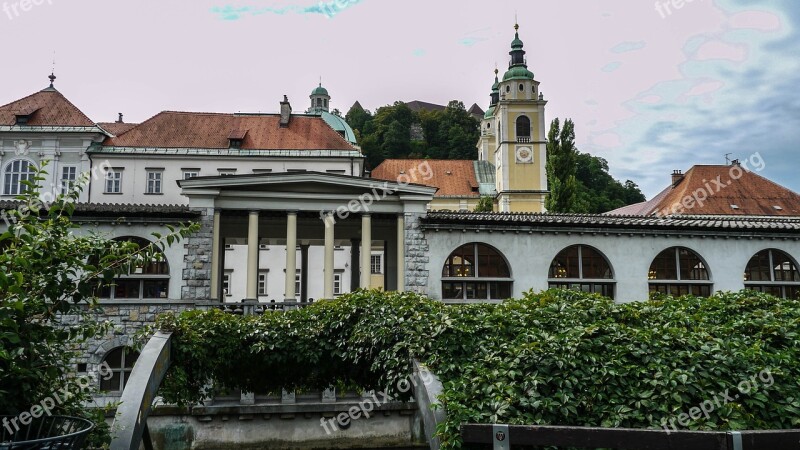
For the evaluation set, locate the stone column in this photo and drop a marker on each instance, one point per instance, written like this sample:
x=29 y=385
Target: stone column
x=291 y=256
x=216 y=248
x=401 y=253
x=252 y=257
x=328 y=260
x=366 y=250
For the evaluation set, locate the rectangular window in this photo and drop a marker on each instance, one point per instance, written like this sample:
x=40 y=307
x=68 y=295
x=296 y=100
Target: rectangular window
x=114 y=181
x=154 y=178
x=297 y=283
x=377 y=264
x=69 y=174
x=226 y=172
x=337 y=284
x=226 y=283
x=262 y=282
x=190 y=173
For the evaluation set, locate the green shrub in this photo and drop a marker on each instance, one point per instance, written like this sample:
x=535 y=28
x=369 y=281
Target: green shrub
x=557 y=357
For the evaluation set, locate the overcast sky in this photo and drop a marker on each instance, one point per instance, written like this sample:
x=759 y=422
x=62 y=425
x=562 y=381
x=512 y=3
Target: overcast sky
x=650 y=89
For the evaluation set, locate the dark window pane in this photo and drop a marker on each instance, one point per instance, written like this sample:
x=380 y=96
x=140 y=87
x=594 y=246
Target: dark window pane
x=595 y=265
x=112 y=384
x=156 y=288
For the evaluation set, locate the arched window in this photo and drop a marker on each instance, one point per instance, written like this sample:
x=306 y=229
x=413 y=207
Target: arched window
x=149 y=280
x=773 y=272
x=523 y=127
x=582 y=268
x=120 y=361
x=16 y=172
x=476 y=271
x=679 y=271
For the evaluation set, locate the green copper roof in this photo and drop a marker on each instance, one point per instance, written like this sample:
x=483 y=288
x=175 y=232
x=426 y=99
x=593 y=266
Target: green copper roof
x=517 y=44
x=518 y=73
x=319 y=91
x=496 y=85
x=489 y=113
x=339 y=124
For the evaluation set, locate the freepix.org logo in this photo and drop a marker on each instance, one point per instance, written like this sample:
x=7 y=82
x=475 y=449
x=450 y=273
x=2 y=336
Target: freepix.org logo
x=17 y=8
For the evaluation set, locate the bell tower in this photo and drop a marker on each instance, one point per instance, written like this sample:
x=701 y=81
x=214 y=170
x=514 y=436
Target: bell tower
x=320 y=100
x=513 y=136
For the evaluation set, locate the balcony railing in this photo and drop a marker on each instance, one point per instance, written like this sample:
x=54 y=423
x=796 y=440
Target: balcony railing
x=524 y=140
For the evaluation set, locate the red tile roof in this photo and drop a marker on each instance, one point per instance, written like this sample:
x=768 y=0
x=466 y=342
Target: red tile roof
x=714 y=190
x=171 y=129
x=116 y=128
x=454 y=178
x=46 y=108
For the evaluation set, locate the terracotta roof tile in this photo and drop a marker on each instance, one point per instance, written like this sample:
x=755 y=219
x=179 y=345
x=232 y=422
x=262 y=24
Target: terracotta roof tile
x=441 y=219
x=170 y=129
x=454 y=178
x=46 y=108
x=116 y=128
x=723 y=187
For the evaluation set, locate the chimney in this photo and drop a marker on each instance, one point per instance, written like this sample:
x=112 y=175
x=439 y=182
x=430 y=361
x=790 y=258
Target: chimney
x=286 y=112
x=677 y=176
x=736 y=162
x=119 y=120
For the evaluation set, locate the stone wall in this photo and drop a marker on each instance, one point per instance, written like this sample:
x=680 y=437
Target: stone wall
x=197 y=262
x=417 y=255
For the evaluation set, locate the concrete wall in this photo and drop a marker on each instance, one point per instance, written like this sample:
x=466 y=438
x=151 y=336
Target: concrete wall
x=630 y=256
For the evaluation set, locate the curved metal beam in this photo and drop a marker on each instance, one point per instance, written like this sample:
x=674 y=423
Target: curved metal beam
x=427 y=389
x=130 y=422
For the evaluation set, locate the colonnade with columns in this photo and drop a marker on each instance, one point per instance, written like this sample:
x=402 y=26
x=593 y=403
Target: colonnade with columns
x=359 y=229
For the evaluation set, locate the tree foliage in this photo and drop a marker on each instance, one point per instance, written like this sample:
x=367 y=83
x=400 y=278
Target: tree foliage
x=485 y=204
x=557 y=357
x=49 y=273
x=580 y=182
x=560 y=166
x=447 y=134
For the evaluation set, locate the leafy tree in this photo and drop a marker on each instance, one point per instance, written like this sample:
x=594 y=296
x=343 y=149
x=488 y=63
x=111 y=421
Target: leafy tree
x=598 y=191
x=561 y=156
x=49 y=273
x=448 y=134
x=485 y=204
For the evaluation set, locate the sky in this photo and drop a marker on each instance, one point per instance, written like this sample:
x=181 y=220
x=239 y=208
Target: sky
x=652 y=86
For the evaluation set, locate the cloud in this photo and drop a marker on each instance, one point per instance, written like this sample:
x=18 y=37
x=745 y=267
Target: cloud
x=611 y=67
x=328 y=9
x=624 y=47
x=735 y=93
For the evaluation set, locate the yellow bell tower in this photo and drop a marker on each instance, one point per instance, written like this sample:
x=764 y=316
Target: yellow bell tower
x=513 y=136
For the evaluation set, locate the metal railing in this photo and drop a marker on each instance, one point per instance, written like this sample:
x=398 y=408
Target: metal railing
x=508 y=437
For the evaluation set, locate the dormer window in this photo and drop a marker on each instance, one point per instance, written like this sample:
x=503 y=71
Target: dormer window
x=24 y=116
x=236 y=139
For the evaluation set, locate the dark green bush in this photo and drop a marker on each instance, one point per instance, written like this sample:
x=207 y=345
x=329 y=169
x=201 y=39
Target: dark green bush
x=557 y=357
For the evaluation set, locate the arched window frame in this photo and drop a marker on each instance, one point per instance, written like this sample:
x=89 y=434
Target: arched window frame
x=472 y=282
x=523 y=128
x=777 y=284
x=120 y=362
x=149 y=281
x=14 y=176
x=560 y=278
x=698 y=286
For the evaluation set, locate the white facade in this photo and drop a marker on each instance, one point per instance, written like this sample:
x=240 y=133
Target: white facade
x=134 y=170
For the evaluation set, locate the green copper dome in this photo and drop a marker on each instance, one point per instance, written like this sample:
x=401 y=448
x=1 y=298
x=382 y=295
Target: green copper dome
x=319 y=90
x=518 y=73
x=489 y=113
x=517 y=44
x=340 y=125
x=496 y=85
